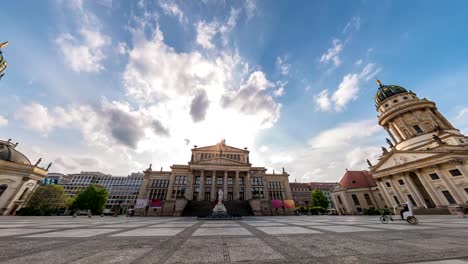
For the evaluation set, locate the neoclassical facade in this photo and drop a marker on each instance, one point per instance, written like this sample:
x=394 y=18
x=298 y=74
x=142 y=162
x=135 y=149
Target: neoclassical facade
x=212 y=168
x=18 y=178
x=357 y=190
x=427 y=160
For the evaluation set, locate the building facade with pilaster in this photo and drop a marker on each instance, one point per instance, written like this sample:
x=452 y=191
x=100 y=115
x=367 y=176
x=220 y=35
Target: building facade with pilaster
x=212 y=168
x=426 y=163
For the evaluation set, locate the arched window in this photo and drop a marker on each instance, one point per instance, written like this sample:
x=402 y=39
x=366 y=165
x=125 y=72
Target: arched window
x=23 y=195
x=3 y=188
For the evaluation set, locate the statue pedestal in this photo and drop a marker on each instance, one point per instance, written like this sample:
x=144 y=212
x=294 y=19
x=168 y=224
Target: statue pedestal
x=219 y=209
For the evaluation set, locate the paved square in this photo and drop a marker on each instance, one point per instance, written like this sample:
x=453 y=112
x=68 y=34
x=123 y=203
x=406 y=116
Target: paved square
x=286 y=230
x=75 y=233
x=150 y=232
x=282 y=239
x=342 y=229
x=222 y=231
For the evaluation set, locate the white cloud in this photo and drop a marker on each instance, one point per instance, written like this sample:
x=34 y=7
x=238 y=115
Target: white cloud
x=3 y=121
x=250 y=8
x=122 y=48
x=353 y=24
x=345 y=134
x=84 y=51
x=36 y=117
x=333 y=53
x=322 y=101
x=463 y=114
x=282 y=65
x=347 y=90
x=327 y=154
x=205 y=34
x=356 y=158
x=358 y=62
x=207 y=31
x=172 y=9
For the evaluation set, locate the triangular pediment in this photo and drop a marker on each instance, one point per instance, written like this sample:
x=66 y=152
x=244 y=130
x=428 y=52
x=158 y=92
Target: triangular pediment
x=219 y=160
x=220 y=147
x=398 y=158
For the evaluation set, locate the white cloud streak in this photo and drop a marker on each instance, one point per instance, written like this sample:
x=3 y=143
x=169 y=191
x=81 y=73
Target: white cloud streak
x=333 y=53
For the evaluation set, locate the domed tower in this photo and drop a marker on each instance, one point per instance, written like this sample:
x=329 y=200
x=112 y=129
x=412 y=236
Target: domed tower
x=409 y=120
x=18 y=178
x=427 y=164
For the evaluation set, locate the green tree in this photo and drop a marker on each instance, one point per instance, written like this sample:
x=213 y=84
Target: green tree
x=92 y=198
x=318 y=199
x=48 y=199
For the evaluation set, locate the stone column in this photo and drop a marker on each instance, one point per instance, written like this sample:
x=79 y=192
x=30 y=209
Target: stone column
x=248 y=187
x=236 y=186
x=171 y=187
x=388 y=200
x=189 y=187
x=396 y=190
x=430 y=189
x=397 y=132
x=225 y=185
x=447 y=182
x=214 y=192
x=464 y=171
x=391 y=135
x=415 y=192
x=201 y=194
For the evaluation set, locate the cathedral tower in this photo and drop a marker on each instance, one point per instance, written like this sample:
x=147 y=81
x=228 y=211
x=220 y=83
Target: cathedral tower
x=427 y=160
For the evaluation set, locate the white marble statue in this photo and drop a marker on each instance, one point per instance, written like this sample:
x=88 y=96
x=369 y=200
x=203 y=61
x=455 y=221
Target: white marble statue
x=220 y=196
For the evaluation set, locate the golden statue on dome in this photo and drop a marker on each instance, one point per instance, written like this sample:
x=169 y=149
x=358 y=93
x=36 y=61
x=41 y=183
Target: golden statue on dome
x=3 y=63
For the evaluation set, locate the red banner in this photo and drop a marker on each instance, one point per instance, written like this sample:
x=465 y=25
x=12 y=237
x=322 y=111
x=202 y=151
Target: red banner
x=156 y=203
x=276 y=204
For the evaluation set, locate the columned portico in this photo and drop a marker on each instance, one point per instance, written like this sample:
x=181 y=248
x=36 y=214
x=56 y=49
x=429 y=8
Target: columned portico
x=212 y=168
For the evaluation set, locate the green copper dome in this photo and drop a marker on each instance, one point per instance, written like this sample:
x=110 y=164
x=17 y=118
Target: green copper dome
x=387 y=91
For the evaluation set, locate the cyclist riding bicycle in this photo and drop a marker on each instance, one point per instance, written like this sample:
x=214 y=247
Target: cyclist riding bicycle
x=386 y=212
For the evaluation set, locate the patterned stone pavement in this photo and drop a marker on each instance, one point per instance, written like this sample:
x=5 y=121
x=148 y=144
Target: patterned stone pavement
x=280 y=239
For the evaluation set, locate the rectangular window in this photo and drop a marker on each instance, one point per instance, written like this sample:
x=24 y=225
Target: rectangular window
x=396 y=200
x=230 y=180
x=368 y=199
x=466 y=190
x=241 y=180
x=339 y=199
x=355 y=199
x=413 y=202
x=401 y=182
x=197 y=180
x=387 y=184
x=219 y=180
x=434 y=176
x=455 y=172
x=449 y=197
x=381 y=197
x=208 y=180
x=417 y=129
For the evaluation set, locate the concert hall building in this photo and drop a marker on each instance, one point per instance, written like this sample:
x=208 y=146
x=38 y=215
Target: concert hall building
x=191 y=189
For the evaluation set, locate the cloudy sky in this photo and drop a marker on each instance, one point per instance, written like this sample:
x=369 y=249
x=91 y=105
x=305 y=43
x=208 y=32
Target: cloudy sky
x=112 y=86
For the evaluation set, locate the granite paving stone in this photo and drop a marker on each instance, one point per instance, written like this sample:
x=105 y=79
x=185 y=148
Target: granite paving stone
x=269 y=240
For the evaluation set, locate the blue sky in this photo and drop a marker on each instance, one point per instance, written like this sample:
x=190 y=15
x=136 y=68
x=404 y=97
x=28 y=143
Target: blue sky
x=115 y=85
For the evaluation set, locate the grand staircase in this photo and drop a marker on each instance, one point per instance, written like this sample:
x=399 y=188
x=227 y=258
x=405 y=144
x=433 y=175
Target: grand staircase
x=203 y=208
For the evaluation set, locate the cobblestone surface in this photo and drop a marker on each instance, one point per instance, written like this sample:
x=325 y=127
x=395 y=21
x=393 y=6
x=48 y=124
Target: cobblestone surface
x=291 y=239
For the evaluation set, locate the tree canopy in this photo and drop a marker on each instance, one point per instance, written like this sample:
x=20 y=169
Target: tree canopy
x=92 y=198
x=48 y=197
x=318 y=198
